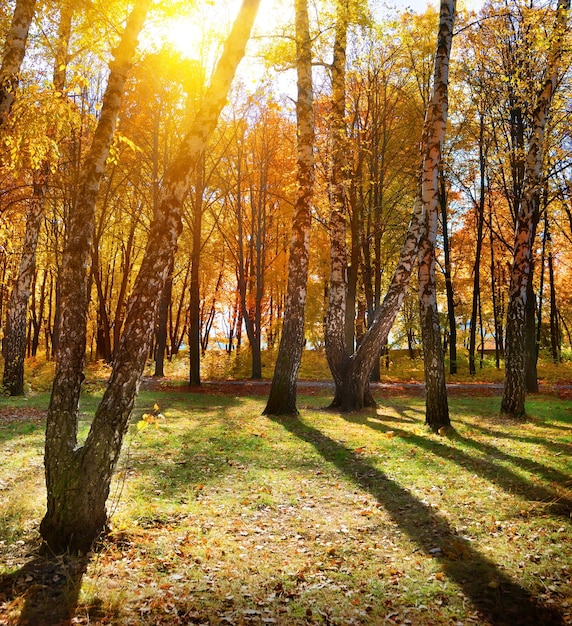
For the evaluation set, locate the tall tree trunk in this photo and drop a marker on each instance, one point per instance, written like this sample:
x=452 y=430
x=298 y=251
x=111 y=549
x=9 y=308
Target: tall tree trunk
x=37 y=314
x=15 y=336
x=530 y=353
x=162 y=323
x=541 y=286
x=78 y=478
x=496 y=316
x=13 y=55
x=436 y=405
x=514 y=391
x=554 y=319
x=194 y=287
x=337 y=350
x=448 y=279
x=480 y=215
x=282 y=397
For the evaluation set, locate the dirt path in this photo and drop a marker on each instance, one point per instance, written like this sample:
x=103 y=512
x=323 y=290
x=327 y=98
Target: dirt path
x=312 y=387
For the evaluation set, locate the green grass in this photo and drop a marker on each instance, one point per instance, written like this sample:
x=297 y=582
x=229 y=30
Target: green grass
x=223 y=516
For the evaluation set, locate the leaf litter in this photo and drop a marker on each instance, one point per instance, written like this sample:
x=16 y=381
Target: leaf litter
x=219 y=525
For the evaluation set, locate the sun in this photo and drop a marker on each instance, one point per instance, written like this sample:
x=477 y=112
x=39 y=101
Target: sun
x=190 y=28
x=188 y=35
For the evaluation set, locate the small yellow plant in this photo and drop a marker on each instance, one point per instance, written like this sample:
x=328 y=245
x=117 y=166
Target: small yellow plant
x=150 y=419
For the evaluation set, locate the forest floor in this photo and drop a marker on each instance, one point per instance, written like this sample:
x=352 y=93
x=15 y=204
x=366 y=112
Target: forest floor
x=220 y=515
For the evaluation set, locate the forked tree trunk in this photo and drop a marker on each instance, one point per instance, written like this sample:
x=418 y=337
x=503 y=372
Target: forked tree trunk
x=514 y=391
x=78 y=478
x=356 y=393
x=61 y=526
x=13 y=55
x=282 y=397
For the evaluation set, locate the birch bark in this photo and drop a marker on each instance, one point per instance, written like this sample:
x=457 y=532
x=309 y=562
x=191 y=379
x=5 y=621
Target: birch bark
x=78 y=478
x=337 y=350
x=436 y=405
x=282 y=397
x=356 y=392
x=13 y=55
x=514 y=391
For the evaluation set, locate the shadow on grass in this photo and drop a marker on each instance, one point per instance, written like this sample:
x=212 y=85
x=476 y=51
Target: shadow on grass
x=497 y=474
x=48 y=588
x=500 y=599
x=558 y=448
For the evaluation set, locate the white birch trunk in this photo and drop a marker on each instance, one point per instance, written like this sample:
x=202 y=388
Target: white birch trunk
x=513 y=400
x=77 y=513
x=436 y=406
x=337 y=352
x=282 y=397
x=13 y=55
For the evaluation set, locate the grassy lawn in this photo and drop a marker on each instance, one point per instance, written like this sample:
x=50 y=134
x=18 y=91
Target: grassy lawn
x=223 y=516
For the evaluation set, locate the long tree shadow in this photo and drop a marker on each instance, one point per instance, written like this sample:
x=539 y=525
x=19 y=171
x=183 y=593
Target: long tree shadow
x=497 y=474
x=548 y=473
x=49 y=588
x=503 y=603
x=559 y=448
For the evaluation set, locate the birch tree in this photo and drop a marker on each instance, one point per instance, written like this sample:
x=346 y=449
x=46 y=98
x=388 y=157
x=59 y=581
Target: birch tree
x=514 y=392
x=355 y=393
x=13 y=55
x=15 y=336
x=78 y=476
x=336 y=339
x=282 y=397
x=436 y=406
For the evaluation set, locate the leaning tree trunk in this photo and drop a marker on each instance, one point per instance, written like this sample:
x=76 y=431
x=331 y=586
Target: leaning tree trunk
x=436 y=405
x=13 y=55
x=15 y=336
x=78 y=479
x=282 y=397
x=356 y=392
x=514 y=391
x=336 y=336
